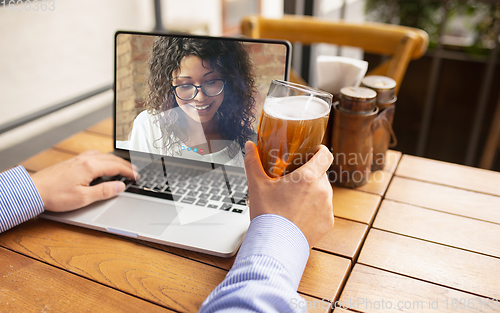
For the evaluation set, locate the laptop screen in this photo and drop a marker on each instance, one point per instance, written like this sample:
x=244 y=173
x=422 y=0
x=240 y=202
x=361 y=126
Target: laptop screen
x=190 y=97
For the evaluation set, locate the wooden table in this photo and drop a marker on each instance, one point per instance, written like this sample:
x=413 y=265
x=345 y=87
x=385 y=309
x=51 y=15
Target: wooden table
x=435 y=242
x=436 y=234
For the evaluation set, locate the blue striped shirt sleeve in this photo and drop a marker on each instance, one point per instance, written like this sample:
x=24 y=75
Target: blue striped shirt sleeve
x=267 y=270
x=19 y=199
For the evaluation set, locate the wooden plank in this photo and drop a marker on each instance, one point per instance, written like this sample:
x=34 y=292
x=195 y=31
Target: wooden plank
x=222 y=263
x=29 y=286
x=354 y=205
x=377 y=183
x=340 y=310
x=84 y=141
x=45 y=159
x=170 y=280
x=162 y=278
x=344 y=239
x=318 y=261
x=450 y=174
x=369 y=288
x=448 y=229
x=324 y=275
x=331 y=277
x=104 y=127
x=313 y=305
x=392 y=159
x=435 y=263
x=446 y=199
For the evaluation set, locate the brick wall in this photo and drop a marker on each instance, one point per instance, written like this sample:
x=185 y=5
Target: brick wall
x=268 y=65
x=132 y=54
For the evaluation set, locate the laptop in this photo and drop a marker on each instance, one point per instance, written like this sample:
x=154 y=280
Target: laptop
x=184 y=106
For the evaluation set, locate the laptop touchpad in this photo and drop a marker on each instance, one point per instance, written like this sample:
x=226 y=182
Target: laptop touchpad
x=139 y=216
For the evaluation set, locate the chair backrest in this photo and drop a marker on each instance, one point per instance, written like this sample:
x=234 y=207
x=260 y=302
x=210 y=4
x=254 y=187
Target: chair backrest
x=492 y=142
x=399 y=43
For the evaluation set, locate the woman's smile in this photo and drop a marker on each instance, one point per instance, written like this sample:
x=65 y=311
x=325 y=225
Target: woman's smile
x=201 y=108
x=195 y=71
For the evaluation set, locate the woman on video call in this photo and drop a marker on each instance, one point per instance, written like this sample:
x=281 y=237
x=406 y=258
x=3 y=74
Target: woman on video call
x=200 y=104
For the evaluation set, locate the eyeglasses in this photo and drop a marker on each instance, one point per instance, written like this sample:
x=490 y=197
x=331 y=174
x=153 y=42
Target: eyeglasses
x=210 y=88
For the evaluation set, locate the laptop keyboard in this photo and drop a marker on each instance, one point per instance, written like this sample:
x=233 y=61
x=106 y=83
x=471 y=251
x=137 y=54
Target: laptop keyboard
x=190 y=186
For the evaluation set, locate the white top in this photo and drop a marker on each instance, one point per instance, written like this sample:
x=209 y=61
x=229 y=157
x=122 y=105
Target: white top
x=146 y=132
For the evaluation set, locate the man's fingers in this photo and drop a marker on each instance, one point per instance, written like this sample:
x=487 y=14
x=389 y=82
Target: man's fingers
x=103 y=191
x=96 y=155
x=253 y=165
x=111 y=168
x=319 y=163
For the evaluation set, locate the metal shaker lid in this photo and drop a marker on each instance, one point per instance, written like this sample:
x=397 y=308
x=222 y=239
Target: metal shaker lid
x=357 y=99
x=383 y=85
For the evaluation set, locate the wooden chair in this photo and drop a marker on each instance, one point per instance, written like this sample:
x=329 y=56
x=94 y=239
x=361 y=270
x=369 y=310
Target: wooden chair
x=399 y=43
x=493 y=141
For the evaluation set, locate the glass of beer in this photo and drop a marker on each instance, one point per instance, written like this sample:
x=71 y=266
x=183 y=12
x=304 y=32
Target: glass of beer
x=291 y=127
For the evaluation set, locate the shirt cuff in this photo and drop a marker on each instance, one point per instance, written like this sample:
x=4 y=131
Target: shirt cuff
x=19 y=199
x=277 y=237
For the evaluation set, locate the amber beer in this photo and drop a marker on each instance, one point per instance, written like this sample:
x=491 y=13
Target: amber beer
x=290 y=132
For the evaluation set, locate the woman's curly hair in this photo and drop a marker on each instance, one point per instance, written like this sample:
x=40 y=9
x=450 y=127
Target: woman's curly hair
x=229 y=59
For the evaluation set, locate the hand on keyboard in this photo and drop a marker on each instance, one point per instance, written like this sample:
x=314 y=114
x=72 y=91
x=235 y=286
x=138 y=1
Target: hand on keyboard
x=66 y=185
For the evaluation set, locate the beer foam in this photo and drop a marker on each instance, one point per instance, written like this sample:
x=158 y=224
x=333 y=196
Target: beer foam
x=296 y=107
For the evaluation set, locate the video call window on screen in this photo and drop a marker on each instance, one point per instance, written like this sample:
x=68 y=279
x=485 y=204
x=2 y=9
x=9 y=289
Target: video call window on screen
x=197 y=98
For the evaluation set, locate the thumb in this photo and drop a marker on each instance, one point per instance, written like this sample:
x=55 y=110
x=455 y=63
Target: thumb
x=253 y=165
x=105 y=190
